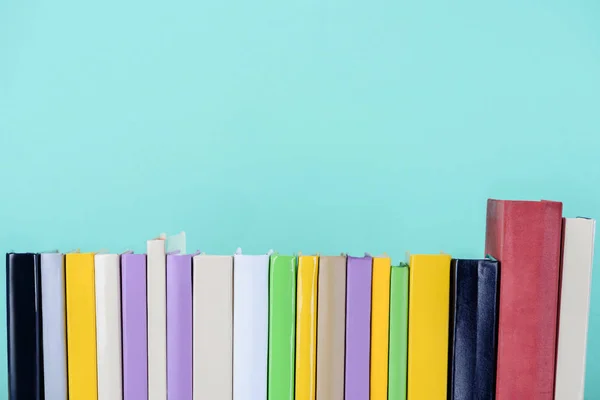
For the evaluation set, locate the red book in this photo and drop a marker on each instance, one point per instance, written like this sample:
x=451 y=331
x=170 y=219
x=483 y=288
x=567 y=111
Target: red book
x=525 y=236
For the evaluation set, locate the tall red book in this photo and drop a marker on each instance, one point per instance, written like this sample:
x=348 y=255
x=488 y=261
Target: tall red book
x=525 y=236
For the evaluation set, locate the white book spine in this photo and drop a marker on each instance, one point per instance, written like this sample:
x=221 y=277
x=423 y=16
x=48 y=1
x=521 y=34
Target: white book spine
x=250 y=326
x=157 y=319
x=213 y=327
x=578 y=249
x=107 y=271
x=54 y=326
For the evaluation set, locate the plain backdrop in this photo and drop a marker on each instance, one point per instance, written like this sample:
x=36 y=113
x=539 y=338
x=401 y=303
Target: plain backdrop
x=296 y=125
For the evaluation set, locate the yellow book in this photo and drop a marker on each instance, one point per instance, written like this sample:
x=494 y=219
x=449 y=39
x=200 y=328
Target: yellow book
x=380 y=322
x=81 y=326
x=429 y=295
x=306 y=327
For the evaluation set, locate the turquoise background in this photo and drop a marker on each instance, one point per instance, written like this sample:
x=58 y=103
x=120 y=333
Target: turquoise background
x=295 y=125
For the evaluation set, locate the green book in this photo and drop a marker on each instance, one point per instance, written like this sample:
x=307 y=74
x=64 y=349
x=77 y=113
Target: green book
x=282 y=326
x=398 y=333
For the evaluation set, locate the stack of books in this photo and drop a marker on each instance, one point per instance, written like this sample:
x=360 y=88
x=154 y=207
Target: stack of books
x=167 y=325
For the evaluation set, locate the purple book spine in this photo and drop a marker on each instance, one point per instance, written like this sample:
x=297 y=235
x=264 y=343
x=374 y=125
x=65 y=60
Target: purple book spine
x=179 y=327
x=133 y=303
x=358 y=327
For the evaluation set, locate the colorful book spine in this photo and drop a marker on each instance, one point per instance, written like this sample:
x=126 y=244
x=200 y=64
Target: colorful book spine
x=428 y=326
x=331 y=327
x=135 y=341
x=306 y=327
x=282 y=326
x=108 y=326
x=179 y=327
x=81 y=326
x=358 y=327
x=157 y=319
x=474 y=287
x=380 y=317
x=250 y=326
x=398 y=353
x=213 y=327
x=54 y=326
x=525 y=237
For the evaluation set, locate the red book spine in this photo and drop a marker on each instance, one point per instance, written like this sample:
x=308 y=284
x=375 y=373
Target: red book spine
x=525 y=236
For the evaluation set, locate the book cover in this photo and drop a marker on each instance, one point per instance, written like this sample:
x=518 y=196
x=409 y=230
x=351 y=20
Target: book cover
x=525 y=237
x=282 y=326
x=429 y=293
x=306 y=327
x=81 y=326
x=157 y=318
x=179 y=327
x=331 y=327
x=134 y=324
x=24 y=326
x=474 y=287
x=380 y=319
x=107 y=270
x=358 y=327
x=54 y=326
x=577 y=260
x=250 y=326
x=213 y=327
x=398 y=347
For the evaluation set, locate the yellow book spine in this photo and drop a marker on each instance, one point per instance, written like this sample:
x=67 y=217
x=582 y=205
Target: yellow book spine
x=380 y=323
x=306 y=327
x=429 y=296
x=81 y=326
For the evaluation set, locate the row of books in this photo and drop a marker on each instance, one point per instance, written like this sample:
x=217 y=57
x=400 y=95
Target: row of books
x=169 y=325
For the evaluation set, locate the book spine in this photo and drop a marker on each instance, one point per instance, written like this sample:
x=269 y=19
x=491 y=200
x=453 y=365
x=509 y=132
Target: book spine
x=380 y=317
x=54 y=326
x=282 y=326
x=212 y=327
x=81 y=326
x=398 y=353
x=306 y=327
x=135 y=342
x=108 y=326
x=250 y=326
x=179 y=327
x=358 y=327
x=157 y=320
x=428 y=326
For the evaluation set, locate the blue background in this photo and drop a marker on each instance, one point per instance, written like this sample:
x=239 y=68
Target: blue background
x=297 y=125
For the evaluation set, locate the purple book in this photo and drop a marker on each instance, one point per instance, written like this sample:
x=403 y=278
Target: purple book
x=179 y=327
x=358 y=327
x=133 y=304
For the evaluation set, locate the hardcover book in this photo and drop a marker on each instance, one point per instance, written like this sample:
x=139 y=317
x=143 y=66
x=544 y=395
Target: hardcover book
x=398 y=355
x=380 y=317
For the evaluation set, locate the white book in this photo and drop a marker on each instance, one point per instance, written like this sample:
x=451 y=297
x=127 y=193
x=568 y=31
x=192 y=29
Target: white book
x=107 y=273
x=213 y=327
x=578 y=253
x=250 y=326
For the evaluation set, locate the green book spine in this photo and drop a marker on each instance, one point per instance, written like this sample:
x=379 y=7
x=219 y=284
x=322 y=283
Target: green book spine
x=398 y=333
x=282 y=326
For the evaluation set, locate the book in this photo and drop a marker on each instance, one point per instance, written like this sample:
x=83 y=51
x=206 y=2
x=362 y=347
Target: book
x=179 y=327
x=81 y=326
x=525 y=236
x=250 y=326
x=24 y=326
x=306 y=327
x=107 y=269
x=331 y=327
x=577 y=260
x=429 y=292
x=474 y=288
x=380 y=320
x=213 y=327
x=134 y=325
x=157 y=319
x=358 y=327
x=282 y=326
x=54 y=326
x=398 y=347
